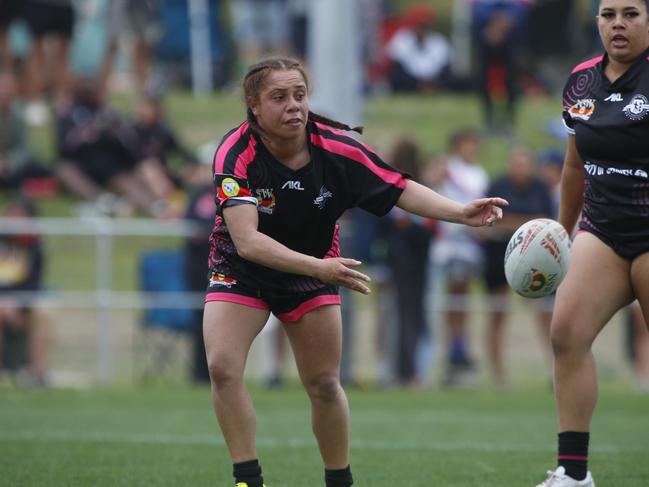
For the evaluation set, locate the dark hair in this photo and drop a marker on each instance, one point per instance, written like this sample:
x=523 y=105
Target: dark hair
x=253 y=82
x=461 y=135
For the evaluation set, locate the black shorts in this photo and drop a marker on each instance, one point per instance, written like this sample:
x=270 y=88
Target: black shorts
x=287 y=307
x=102 y=163
x=626 y=248
x=43 y=18
x=494 y=266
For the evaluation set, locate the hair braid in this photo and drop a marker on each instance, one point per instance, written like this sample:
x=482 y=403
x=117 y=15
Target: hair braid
x=316 y=117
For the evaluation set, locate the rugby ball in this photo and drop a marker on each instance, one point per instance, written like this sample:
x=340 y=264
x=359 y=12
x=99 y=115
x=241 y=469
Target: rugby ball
x=537 y=257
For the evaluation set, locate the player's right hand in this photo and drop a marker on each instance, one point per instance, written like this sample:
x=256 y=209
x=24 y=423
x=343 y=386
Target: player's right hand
x=337 y=271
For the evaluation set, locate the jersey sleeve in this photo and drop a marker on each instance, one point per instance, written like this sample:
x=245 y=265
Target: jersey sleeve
x=374 y=185
x=231 y=161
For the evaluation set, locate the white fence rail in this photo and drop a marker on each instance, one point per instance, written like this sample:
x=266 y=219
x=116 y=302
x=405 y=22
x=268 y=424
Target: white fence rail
x=103 y=298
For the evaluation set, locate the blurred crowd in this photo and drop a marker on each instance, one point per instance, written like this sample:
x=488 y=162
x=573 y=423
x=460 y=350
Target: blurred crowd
x=120 y=164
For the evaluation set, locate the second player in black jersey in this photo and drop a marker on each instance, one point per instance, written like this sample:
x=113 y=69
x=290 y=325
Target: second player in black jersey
x=605 y=179
x=282 y=179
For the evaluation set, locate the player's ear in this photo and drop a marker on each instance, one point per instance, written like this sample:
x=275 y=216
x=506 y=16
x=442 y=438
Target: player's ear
x=253 y=105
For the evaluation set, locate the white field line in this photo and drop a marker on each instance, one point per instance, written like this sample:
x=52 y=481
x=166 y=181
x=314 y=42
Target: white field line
x=269 y=442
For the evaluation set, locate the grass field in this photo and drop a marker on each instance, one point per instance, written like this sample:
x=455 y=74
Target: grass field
x=169 y=437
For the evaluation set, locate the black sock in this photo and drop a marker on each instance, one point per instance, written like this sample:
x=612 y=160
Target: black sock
x=248 y=472
x=339 y=478
x=573 y=453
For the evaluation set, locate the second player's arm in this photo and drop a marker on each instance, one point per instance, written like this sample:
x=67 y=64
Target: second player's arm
x=251 y=244
x=572 y=187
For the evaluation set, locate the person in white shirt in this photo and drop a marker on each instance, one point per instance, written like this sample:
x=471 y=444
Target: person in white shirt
x=419 y=56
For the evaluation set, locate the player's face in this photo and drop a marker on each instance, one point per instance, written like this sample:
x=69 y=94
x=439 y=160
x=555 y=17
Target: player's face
x=282 y=106
x=624 y=28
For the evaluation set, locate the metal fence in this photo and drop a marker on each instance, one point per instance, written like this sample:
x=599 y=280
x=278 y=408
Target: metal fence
x=103 y=298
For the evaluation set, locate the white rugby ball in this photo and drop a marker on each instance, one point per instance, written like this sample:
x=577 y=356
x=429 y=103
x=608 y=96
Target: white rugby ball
x=537 y=257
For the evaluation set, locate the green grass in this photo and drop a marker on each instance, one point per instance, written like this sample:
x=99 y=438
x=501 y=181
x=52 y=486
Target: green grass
x=169 y=437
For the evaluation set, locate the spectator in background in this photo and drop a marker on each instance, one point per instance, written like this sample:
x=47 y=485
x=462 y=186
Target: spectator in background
x=201 y=210
x=456 y=252
x=9 y=11
x=419 y=56
x=528 y=198
x=551 y=165
x=21 y=270
x=157 y=143
x=298 y=27
x=408 y=246
x=97 y=152
x=497 y=27
x=16 y=164
x=51 y=24
x=138 y=22
x=260 y=27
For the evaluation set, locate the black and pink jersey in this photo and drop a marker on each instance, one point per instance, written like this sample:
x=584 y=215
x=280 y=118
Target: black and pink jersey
x=611 y=124
x=297 y=208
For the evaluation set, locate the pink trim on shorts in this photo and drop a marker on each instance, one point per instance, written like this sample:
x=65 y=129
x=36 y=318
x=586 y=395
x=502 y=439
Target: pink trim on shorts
x=237 y=298
x=309 y=305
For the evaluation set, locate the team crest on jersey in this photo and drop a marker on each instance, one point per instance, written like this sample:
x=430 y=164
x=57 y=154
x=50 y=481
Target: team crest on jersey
x=266 y=199
x=637 y=108
x=583 y=109
x=321 y=200
x=230 y=187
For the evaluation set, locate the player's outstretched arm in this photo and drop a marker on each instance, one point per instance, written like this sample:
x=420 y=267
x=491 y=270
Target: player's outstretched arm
x=252 y=245
x=423 y=201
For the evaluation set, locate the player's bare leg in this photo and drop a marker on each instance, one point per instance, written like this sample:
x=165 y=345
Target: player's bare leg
x=229 y=330
x=585 y=303
x=316 y=340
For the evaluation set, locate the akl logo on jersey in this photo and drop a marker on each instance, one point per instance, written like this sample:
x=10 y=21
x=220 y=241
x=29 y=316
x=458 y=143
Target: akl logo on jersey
x=583 y=109
x=295 y=185
x=230 y=187
x=637 y=108
x=266 y=199
x=614 y=97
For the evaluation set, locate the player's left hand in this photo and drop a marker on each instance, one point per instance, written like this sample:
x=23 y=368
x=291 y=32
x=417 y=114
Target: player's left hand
x=483 y=211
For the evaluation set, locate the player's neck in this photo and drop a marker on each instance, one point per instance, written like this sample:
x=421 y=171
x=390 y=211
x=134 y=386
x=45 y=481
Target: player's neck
x=294 y=153
x=615 y=69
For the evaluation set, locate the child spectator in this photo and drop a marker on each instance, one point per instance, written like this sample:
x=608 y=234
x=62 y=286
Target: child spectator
x=21 y=270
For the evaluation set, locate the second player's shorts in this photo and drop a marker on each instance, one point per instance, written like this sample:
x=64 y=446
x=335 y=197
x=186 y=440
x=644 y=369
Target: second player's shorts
x=625 y=248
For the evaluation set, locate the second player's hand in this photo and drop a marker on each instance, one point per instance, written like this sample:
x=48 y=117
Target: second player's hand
x=337 y=271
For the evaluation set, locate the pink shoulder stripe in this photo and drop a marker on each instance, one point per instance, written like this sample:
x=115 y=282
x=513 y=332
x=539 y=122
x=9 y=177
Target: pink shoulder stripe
x=222 y=151
x=358 y=155
x=322 y=126
x=245 y=158
x=588 y=64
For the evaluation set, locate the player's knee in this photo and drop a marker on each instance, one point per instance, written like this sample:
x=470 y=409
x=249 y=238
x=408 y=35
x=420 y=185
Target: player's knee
x=323 y=388
x=222 y=370
x=567 y=337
